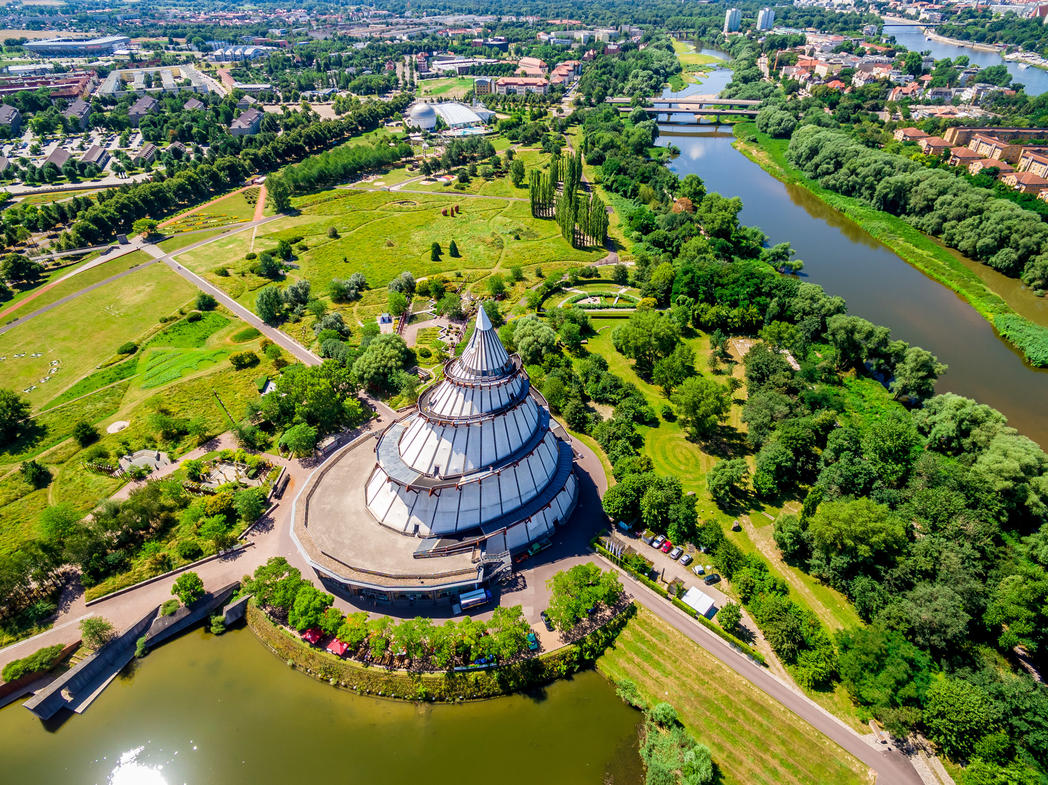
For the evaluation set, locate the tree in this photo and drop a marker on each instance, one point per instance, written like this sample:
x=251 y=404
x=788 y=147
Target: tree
x=249 y=503
x=144 y=226
x=308 y=607
x=670 y=371
x=533 y=339
x=916 y=373
x=730 y=618
x=381 y=362
x=188 y=588
x=96 y=632
x=35 y=474
x=701 y=404
x=269 y=305
x=434 y=252
x=58 y=522
x=726 y=479
x=300 y=440
x=397 y=303
x=275 y=584
x=85 y=433
x=574 y=592
x=453 y=250
x=205 y=302
x=957 y=714
x=853 y=534
x=14 y=417
x=516 y=173
x=496 y=286
x=646 y=337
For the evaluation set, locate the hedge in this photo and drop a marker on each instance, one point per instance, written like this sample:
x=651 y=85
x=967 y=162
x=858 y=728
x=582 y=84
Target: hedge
x=38 y=662
x=745 y=648
x=434 y=686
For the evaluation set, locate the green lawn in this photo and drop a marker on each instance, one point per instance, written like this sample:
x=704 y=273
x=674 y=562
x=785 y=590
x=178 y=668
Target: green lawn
x=87 y=330
x=180 y=241
x=79 y=281
x=754 y=739
x=235 y=208
x=450 y=87
x=56 y=196
x=160 y=366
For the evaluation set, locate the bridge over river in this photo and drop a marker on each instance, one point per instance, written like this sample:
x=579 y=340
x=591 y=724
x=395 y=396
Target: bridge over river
x=698 y=106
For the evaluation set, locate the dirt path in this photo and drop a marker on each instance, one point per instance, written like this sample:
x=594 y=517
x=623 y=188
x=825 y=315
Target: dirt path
x=260 y=203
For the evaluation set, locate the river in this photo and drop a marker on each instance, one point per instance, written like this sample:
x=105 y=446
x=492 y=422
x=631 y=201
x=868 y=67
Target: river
x=912 y=37
x=205 y=710
x=878 y=285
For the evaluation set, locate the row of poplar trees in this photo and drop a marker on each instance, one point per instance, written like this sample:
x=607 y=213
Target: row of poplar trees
x=582 y=221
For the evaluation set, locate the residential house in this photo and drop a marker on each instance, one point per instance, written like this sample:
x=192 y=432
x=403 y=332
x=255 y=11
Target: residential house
x=146 y=154
x=933 y=145
x=142 y=107
x=59 y=157
x=246 y=102
x=991 y=147
x=193 y=105
x=1034 y=159
x=96 y=155
x=10 y=118
x=1025 y=182
x=984 y=164
x=962 y=156
x=247 y=123
x=909 y=134
x=79 y=112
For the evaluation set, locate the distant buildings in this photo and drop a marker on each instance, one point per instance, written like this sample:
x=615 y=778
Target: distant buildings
x=732 y=20
x=146 y=155
x=483 y=85
x=193 y=105
x=765 y=19
x=59 y=157
x=247 y=123
x=531 y=66
x=521 y=85
x=78 y=47
x=565 y=72
x=168 y=79
x=72 y=84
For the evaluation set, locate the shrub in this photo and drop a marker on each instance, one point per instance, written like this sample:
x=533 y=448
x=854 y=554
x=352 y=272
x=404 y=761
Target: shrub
x=190 y=550
x=218 y=624
x=95 y=631
x=188 y=588
x=169 y=607
x=39 y=661
x=85 y=433
x=36 y=475
x=193 y=316
x=127 y=348
x=241 y=360
x=205 y=302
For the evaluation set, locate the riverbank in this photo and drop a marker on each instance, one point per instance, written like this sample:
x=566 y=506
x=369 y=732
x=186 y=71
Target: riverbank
x=917 y=249
x=942 y=39
x=447 y=686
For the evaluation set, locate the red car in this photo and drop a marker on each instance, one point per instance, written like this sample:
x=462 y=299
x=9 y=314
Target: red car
x=666 y=547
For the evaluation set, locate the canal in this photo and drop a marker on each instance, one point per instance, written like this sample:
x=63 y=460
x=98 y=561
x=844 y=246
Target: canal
x=913 y=38
x=877 y=284
x=205 y=710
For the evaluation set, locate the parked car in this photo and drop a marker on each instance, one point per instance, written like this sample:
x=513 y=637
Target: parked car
x=533 y=642
x=676 y=552
x=698 y=569
x=685 y=559
x=546 y=621
x=711 y=579
x=666 y=547
x=647 y=539
x=657 y=542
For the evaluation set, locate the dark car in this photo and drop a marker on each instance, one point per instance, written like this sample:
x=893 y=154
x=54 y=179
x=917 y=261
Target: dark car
x=546 y=621
x=711 y=579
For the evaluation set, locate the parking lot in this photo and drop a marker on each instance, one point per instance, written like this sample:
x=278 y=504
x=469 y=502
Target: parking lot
x=669 y=569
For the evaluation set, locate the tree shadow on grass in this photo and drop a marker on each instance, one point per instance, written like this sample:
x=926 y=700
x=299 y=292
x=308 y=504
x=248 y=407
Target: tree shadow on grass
x=726 y=442
x=31 y=434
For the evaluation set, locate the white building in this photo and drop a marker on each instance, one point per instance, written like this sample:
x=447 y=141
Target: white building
x=477 y=458
x=765 y=19
x=732 y=20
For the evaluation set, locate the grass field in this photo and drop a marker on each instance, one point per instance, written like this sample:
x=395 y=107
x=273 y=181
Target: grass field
x=56 y=196
x=451 y=87
x=80 y=280
x=160 y=366
x=382 y=234
x=754 y=739
x=187 y=238
x=112 y=314
x=237 y=207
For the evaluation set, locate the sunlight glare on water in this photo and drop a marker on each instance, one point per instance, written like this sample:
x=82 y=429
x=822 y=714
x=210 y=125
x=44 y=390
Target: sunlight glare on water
x=130 y=771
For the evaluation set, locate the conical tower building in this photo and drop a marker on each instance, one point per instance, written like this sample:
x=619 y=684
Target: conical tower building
x=478 y=458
